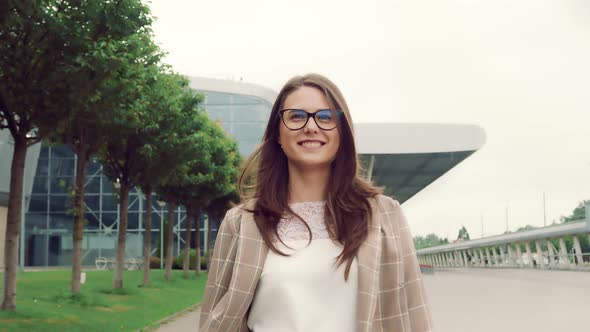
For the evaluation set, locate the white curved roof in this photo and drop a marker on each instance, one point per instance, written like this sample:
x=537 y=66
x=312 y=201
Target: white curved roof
x=398 y=138
x=229 y=86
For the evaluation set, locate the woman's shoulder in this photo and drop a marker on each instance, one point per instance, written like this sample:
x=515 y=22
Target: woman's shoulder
x=235 y=214
x=385 y=202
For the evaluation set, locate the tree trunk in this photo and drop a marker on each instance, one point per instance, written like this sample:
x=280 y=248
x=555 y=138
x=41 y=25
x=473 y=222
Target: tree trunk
x=78 y=233
x=122 y=234
x=211 y=221
x=196 y=216
x=147 y=237
x=187 y=244
x=170 y=239
x=17 y=171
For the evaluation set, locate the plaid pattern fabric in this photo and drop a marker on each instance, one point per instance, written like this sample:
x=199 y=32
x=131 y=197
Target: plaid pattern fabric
x=391 y=295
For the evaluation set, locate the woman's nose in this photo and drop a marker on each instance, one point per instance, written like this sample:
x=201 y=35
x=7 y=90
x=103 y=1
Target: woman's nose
x=311 y=125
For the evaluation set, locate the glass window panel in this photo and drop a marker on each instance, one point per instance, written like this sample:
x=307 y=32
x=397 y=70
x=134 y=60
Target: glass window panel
x=156 y=220
x=61 y=185
x=227 y=127
x=62 y=167
x=92 y=221
x=252 y=113
x=93 y=167
x=133 y=203
x=42 y=167
x=133 y=220
x=44 y=151
x=59 y=203
x=216 y=98
x=246 y=147
x=109 y=219
x=134 y=245
x=248 y=131
x=38 y=203
x=61 y=151
x=107 y=186
x=61 y=222
x=219 y=112
x=40 y=185
x=92 y=185
x=109 y=203
x=92 y=202
x=35 y=221
x=247 y=100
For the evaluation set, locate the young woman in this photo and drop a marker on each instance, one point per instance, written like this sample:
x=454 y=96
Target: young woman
x=315 y=247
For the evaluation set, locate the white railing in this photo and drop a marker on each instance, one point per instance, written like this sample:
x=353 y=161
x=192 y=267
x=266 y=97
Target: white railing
x=528 y=249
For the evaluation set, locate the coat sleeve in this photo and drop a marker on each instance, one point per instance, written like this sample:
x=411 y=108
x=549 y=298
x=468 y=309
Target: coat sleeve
x=220 y=272
x=418 y=309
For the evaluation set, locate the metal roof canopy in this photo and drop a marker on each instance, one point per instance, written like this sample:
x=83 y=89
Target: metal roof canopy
x=407 y=157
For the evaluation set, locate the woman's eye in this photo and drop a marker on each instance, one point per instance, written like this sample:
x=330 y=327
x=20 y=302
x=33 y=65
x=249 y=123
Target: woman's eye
x=297 y=116
x=324 y=116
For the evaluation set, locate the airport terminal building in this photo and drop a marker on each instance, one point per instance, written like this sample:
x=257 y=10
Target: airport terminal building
x=405 y=158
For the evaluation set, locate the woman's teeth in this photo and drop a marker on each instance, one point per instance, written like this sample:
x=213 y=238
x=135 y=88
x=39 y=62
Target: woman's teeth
x=311 y=144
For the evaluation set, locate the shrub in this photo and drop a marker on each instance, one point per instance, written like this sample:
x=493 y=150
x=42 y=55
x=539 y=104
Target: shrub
x=154 y=262
x=177 y=264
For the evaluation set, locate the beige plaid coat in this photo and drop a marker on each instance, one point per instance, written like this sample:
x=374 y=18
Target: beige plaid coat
x=390 y=292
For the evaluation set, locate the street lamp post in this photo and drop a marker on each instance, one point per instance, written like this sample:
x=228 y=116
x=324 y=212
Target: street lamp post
x=161 y=204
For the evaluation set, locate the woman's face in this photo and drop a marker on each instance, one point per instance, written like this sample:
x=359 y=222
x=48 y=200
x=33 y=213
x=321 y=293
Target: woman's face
x=309 y=146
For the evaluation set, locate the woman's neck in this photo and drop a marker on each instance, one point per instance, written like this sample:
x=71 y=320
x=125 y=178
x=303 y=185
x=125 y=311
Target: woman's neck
x=308 y=184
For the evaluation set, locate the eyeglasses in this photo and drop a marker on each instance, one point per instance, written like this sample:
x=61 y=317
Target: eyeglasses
x=295 y=119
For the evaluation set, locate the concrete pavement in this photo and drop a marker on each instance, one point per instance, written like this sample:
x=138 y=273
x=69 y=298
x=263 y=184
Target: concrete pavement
x=491 y=300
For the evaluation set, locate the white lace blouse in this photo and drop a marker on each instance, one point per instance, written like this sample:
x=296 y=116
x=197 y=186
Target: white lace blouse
x=304 y=291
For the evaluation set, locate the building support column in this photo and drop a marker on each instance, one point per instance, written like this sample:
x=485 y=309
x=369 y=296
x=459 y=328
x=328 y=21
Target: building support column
x=578 y=249
x=495 y=256
x=564 y=259
x=529 y=256
x=519 y=260
x=510 y=257
x=489 y=257
x=482 y=260
x=474 y=258
x=502 y=255
x=551 y=252
x=540 y=255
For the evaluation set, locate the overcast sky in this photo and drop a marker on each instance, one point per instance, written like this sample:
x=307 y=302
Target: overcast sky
x=519 y=69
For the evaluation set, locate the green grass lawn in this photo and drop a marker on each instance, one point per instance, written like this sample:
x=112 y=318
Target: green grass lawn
x=44 y=302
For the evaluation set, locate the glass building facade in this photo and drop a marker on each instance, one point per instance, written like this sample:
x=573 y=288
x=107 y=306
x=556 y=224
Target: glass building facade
x=49 y=225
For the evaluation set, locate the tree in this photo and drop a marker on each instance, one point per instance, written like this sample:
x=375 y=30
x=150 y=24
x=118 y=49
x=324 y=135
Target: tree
x=52 y=59
x=210 y=173
x=463 y=234
x=102 y=74
x=164 y=148
x=26 y=39
x=189 y=138
x=579 y=213
x=430 y=240
x=132 y=143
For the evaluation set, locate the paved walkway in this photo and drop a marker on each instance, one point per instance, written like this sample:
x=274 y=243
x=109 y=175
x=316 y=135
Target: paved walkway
x=187 y=322
x=482 y=300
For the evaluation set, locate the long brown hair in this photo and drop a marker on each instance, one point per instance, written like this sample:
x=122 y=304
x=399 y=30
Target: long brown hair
x=265 y=178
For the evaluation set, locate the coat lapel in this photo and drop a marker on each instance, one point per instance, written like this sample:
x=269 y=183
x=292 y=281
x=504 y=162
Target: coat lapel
x=368 y=258
x=250 y=257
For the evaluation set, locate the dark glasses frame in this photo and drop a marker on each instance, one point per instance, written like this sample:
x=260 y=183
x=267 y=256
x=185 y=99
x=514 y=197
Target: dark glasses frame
x=311 y=115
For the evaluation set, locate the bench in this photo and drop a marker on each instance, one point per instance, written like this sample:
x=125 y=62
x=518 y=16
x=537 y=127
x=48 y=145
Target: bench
x=103 y=263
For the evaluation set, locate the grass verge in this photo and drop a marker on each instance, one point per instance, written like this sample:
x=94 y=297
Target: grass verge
x=44 y=302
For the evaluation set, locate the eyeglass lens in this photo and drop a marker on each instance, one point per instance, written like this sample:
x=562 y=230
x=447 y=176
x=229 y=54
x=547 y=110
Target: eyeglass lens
x=297 y=119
